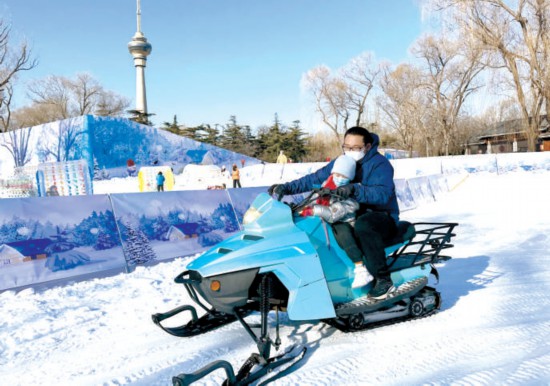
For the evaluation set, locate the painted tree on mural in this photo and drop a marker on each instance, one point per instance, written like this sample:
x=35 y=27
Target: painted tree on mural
x=137 y=248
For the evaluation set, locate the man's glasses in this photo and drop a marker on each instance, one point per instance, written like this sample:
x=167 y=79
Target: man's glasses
x=352 y=148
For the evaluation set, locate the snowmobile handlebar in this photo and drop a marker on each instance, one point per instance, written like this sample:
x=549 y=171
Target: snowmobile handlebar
x=312 y=197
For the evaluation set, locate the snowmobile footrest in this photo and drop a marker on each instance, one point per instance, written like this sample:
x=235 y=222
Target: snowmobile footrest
x=366 y=304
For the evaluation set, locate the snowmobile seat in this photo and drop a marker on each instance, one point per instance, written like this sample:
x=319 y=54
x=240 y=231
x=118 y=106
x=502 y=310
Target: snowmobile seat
x=405 y=233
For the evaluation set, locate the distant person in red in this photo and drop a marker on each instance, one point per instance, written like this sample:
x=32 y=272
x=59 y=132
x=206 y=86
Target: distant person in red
x=131 y=167
x=242 y=163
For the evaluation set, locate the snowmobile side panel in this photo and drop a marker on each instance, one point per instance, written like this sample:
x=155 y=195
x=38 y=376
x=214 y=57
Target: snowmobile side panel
x=409 y=274
x=309 y=297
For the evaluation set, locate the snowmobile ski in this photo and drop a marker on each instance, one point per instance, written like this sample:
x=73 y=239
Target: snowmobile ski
x=253 y=369
x=208 y=322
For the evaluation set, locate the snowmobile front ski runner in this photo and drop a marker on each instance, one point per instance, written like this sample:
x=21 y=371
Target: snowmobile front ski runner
x=283 y=262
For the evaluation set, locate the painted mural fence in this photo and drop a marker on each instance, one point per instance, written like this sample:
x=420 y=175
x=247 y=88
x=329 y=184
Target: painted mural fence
x=44 y=239
x=478 y=163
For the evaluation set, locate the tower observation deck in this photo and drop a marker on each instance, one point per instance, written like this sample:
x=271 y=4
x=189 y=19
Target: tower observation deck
x=140 y=48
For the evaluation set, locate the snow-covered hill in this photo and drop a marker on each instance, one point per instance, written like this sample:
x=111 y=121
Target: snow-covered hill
x=493 y=328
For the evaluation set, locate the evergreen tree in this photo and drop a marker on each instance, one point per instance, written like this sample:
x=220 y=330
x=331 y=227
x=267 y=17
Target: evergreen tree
x=105 y=241
x=272 y=140
x=234 y=138
x=137 y=249
x=295 y=142
x=172 y=127
x=211 y=136
x=192 y=132
x=97 y=170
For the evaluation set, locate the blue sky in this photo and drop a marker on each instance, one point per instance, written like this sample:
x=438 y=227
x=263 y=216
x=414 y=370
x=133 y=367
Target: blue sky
x=213 y=58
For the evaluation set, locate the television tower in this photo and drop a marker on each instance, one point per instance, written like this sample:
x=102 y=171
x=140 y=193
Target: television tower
x=140 y=49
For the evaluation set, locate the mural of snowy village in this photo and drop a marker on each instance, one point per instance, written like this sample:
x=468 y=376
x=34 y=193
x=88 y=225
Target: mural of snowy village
x=53 y=227
x=49 y=238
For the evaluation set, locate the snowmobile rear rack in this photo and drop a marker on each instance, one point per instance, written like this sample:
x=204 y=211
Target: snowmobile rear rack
x=425 y=247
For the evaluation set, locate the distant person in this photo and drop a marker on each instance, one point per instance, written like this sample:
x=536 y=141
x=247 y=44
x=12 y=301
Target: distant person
x=52 y=191
x=225 y=173
x=242 y=163
x=281 y=159
x=160 y=182
x=131 y=167
x=236 y=177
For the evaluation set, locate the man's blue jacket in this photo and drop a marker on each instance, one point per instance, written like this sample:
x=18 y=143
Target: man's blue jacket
x=374 y=188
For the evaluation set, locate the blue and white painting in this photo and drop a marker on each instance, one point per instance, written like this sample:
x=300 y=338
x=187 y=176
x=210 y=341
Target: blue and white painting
x=112 y=147
x=49 y=238
x=172 y=224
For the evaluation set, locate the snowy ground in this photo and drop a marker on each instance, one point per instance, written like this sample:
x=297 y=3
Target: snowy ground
x=493 y=328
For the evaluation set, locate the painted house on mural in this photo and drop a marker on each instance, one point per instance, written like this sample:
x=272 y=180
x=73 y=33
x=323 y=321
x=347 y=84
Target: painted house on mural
x=182 y=231
x=34 y=249
x=9 y=255
x=508 y=137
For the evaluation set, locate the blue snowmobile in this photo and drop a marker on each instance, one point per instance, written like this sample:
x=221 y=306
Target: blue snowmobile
x=283 y=262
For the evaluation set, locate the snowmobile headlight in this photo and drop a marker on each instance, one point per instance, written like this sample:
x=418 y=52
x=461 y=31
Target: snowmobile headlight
x=251 y=215
x=215 y=285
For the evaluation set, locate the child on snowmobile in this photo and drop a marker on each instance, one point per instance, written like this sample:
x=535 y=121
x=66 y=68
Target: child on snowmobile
x=341 y=214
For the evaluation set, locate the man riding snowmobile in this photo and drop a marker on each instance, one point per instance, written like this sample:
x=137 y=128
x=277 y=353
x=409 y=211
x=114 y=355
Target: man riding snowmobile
x=374 y=189
x=284 y=262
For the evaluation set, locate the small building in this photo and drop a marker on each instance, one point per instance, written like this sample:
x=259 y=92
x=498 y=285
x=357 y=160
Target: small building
x=9 y=256
x=182 y=231
x=34 y=249
x=508 y=137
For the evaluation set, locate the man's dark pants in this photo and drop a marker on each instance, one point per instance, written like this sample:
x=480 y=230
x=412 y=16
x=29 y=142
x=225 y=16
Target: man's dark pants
x=374 y=231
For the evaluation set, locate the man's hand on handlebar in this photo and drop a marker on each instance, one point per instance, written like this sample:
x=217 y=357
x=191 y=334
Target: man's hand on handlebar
x=345 y=191
x=278 y=190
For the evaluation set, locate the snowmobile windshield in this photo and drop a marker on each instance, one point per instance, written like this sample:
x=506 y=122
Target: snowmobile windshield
x=257 y=218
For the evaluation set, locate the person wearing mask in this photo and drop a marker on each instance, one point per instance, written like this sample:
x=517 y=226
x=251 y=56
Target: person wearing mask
x=373 y=188
x=341 y=214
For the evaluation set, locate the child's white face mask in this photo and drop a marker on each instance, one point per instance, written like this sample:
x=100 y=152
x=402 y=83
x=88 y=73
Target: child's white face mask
x=340 y=181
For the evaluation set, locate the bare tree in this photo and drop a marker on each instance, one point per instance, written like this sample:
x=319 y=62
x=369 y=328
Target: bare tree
x=52 y=92
x=61 y=142
x=404 y=103
x=517 y=35
x=66 y=98
x=361 y=75
x=452 y=67
x=341 y=97
x=329 y=95
x=15 y=141
x=12 y=61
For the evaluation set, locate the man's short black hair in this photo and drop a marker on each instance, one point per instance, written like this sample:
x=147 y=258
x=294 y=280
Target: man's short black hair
x=358 y=130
